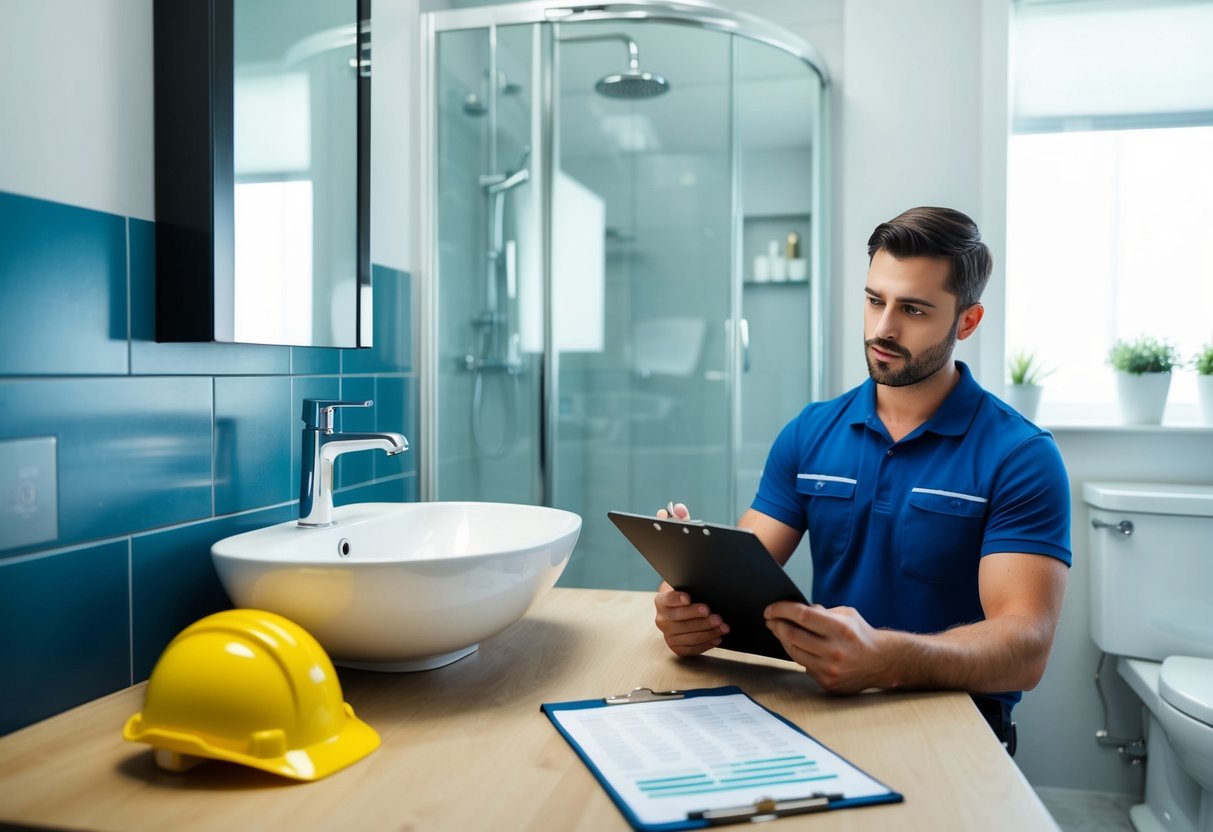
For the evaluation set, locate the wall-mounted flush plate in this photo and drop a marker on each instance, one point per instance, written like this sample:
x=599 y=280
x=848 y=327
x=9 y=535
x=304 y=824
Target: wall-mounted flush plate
x=29 y=496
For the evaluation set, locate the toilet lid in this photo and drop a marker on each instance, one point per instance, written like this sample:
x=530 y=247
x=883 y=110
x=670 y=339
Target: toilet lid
x=1187 y=684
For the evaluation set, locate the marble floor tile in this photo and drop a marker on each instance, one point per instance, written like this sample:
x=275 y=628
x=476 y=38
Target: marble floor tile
x=1083 y=811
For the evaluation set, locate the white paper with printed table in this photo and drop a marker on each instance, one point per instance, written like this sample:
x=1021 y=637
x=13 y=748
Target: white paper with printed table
x=695 y=758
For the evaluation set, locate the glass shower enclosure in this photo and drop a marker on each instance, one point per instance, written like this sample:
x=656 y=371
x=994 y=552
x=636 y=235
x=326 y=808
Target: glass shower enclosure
x=624 y=243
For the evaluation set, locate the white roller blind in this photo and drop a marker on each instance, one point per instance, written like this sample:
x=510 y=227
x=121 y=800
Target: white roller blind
x=1100 y=64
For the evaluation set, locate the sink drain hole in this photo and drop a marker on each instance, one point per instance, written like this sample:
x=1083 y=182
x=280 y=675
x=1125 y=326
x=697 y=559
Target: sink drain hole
x=343 y=548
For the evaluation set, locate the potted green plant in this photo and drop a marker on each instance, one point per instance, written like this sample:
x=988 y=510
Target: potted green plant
x=1203 y=362
x=1023 y=391
x=1143 y=377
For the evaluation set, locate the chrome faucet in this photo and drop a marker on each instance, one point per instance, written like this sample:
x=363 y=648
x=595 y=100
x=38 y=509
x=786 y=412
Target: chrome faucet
x=321 y=447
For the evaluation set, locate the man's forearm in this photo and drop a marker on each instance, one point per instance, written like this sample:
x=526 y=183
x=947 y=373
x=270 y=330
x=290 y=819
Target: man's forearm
x=1007 y=653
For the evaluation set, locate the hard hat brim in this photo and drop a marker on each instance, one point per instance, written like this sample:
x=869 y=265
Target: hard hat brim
x=355 y=741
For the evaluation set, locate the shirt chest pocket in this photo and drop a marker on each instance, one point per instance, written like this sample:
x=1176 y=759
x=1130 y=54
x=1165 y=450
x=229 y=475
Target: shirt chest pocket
x=829 y=507
x=942 y=534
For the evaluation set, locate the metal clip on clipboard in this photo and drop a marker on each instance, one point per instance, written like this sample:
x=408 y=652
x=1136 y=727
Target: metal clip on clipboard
x=767 y=809
x=643 y=695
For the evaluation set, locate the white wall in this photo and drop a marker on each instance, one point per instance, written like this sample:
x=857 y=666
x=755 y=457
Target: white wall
x=76 y=103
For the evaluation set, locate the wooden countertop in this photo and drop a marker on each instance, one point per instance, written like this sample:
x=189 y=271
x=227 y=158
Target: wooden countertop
x=465 y=747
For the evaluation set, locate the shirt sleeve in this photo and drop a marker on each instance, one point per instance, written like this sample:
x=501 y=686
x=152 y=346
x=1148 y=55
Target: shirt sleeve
x=777 y=496
x=1031 y=506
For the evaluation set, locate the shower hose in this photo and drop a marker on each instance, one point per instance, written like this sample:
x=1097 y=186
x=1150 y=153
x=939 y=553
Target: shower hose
x=511 y=416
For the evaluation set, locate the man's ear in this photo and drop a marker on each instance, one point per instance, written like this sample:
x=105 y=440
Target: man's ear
x=969 y=319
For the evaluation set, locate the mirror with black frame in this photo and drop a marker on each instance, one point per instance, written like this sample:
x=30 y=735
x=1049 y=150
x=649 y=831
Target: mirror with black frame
x=262 y=117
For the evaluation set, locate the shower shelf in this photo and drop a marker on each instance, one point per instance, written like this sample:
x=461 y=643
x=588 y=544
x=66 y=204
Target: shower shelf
x=759 y=230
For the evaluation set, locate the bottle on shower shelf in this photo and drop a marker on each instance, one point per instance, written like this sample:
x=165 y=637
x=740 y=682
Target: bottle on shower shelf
x=798 y=267
x=778 y=265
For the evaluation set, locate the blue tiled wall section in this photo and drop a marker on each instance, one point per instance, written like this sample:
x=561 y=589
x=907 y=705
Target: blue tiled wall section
x=174 y=584
x=64 y=309
x=253 y=433
x=162 y=449
x=134 y=453
x=64 y=631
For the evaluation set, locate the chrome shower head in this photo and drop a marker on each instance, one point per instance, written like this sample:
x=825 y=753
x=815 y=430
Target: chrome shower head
x=632 y=84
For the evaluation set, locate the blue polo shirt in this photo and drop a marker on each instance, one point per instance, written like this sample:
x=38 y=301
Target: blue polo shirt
x=897 y=529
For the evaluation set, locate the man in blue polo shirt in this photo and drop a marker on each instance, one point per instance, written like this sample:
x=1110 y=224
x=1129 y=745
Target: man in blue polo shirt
x=938 y=517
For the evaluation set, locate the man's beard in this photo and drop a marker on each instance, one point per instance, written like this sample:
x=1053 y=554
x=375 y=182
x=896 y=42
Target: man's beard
x=913 y=369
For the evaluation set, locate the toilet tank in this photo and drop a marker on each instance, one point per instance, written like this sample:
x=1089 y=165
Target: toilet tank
x=1151 y=589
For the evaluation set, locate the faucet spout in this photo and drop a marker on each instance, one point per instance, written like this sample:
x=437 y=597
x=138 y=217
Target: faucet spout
x=341 y=443
x=321 y=447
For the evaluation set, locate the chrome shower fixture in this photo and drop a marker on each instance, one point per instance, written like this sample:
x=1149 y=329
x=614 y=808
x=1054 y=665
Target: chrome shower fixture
x=632 y=83
x=475 y=105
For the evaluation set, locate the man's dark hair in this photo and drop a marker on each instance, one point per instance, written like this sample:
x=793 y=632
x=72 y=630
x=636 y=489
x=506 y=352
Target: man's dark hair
x=943 y=233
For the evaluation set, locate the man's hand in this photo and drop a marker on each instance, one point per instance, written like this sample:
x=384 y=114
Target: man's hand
x=836 y=646
x=678 y=511
x=689 y=628
x=1021 y=596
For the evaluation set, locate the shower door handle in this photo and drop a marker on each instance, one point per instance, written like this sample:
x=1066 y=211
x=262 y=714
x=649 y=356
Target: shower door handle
x=743 y=335
x=511 y=269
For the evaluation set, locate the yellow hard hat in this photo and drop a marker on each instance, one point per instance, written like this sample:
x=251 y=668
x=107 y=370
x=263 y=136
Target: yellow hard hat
x=254 y=688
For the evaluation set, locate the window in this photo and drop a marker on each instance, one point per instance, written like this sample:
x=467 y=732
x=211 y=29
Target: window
x=1110 y=193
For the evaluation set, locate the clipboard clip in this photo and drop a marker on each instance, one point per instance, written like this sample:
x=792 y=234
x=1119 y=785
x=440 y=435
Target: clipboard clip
x=767 y=809
x=643 y=695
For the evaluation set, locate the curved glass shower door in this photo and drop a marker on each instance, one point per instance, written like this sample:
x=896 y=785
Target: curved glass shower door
x=490 y=341
x=604 y=191
x=645 y=372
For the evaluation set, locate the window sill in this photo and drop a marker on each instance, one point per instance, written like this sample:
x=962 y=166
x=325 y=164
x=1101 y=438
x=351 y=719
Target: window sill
x=1178 y=418
x=1073 y=425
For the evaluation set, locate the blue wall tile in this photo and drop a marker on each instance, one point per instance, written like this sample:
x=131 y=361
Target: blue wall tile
x=134 y=453
x=252 y=443
x=315 y=361
x=150 y=358
x=174 y=582
x=62 y=289
x=395 y=490
x=64 y=631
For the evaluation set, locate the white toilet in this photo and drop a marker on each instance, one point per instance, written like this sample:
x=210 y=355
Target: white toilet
x=1152 y=607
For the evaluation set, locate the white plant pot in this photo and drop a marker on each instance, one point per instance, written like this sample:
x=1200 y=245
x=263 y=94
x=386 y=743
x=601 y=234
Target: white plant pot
x=1025 y=398
x=1204 y=384
x=1142 y=397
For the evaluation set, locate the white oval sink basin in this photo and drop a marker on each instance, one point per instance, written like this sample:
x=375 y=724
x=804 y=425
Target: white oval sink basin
x=402 y=586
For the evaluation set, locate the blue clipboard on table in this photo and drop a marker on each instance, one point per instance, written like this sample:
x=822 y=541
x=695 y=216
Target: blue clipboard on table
x=689 y=759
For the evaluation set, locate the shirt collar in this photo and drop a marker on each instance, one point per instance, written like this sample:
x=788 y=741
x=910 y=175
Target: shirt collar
x=958 y=409
x=951 y=419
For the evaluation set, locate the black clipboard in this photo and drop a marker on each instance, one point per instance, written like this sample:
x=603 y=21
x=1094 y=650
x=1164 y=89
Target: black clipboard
x=725 y=567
